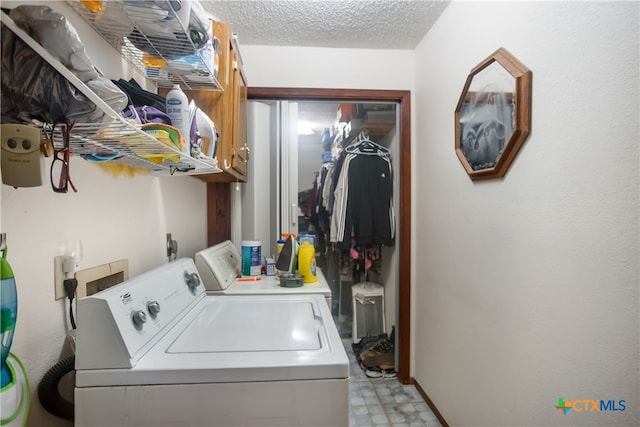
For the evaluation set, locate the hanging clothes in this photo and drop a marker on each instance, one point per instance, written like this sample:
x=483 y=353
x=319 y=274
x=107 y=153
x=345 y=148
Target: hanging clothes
x=363 y=197
x=369 y=216
x=322 y=214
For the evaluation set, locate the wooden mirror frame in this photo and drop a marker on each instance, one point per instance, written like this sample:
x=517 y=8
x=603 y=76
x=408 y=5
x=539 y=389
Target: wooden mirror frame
x=522 y=114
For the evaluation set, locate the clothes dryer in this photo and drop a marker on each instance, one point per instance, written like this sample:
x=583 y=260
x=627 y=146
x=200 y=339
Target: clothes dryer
x=220 y=265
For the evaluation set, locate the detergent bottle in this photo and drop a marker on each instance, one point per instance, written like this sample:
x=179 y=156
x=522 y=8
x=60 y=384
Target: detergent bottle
x=178 y=110
x=307 y=262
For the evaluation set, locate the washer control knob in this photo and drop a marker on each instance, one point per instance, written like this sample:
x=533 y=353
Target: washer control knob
x=153 y=307
x=192 y=280
x=139 y=318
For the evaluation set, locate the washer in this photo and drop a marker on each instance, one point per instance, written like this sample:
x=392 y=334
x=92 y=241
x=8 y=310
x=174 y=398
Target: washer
x=157 y=350
x=219 y=266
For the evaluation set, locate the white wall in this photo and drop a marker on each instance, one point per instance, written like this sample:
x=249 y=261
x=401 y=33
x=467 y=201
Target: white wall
x=274 y=66
x=309 y=160
x=115 y=218
x=526 y=287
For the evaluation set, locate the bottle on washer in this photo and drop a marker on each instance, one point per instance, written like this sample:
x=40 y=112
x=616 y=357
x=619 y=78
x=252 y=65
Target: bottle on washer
x=307 y=262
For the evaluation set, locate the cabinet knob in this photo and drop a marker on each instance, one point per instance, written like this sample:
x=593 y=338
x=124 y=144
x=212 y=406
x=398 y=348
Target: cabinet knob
x=247 y=150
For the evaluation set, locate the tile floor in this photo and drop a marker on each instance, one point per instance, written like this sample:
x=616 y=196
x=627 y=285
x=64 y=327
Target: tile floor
x=385 y=402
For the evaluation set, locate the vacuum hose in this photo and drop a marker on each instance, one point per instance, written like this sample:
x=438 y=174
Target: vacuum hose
x=48 y=391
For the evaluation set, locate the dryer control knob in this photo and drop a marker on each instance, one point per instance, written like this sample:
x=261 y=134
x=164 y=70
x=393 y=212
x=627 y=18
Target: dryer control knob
x=153 y=307
x=139 y=318
x=192 y=280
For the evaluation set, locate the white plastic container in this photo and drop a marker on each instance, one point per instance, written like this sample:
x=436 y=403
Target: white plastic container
x=178 y=110
x=368 y=310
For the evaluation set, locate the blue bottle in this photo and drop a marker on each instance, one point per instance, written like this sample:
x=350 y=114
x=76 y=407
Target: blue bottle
x=8 y=314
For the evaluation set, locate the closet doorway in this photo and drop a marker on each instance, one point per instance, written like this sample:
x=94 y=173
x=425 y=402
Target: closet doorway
x=402 y=198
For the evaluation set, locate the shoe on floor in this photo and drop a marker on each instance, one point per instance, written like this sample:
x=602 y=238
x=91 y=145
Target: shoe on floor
x=384 y=361
x=391 y=373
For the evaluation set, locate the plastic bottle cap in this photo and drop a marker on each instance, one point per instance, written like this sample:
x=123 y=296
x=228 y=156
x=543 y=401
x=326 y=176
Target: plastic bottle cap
x=5 y=268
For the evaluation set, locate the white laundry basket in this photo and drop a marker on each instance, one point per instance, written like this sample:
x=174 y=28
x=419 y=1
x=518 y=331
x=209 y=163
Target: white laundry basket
x=368 y=310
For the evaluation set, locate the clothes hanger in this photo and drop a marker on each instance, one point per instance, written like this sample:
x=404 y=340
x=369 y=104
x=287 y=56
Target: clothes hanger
x=364 y=145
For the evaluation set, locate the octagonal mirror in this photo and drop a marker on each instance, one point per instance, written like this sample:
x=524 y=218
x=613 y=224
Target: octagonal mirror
x=493 y=115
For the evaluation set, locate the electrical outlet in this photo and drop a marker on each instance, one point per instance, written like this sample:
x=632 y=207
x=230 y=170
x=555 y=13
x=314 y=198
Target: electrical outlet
x=58 y=277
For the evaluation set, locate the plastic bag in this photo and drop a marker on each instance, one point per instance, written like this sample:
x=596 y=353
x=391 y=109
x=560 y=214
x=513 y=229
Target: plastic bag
x=33 y=89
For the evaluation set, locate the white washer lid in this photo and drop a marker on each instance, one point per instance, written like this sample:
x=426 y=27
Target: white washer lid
x=240 y=325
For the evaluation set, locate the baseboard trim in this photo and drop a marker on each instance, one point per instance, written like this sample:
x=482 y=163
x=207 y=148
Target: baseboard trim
x=426 y=398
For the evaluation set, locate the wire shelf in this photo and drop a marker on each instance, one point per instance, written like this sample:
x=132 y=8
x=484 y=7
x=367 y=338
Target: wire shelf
x=120 y=26
x=115 y=138
x=122 y=143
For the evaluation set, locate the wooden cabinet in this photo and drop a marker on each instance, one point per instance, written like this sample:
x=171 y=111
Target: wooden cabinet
x=228 y=110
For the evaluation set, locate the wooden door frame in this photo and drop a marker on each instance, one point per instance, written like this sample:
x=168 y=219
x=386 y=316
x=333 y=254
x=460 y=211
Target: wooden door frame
x=403 y=98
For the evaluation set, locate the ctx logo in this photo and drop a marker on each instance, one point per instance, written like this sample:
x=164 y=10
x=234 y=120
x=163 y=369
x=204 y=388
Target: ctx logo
x=589 y=405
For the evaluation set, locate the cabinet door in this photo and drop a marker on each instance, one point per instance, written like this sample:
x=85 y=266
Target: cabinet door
x=242 y=153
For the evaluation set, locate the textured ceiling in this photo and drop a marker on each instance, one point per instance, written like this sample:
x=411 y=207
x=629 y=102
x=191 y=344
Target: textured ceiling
x=362 y=24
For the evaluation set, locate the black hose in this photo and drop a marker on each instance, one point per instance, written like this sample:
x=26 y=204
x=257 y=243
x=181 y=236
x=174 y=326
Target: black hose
x=48 y=391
